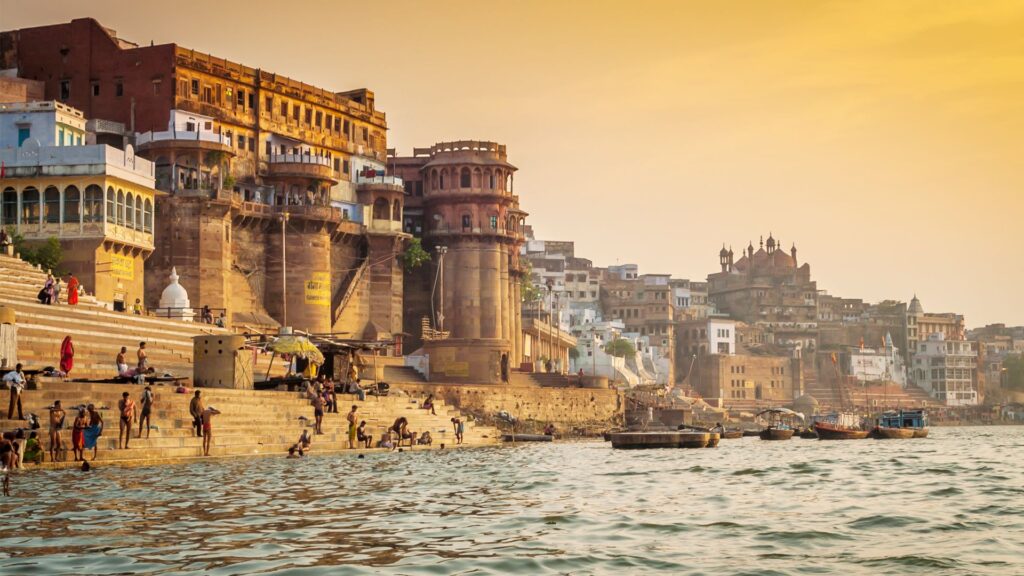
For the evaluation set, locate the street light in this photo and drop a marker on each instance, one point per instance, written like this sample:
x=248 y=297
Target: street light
x=441 y=251
x=284 y=271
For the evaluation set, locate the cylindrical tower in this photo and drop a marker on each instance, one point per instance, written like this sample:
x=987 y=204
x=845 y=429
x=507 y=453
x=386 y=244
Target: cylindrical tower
x=469 y=206
x=303 y=299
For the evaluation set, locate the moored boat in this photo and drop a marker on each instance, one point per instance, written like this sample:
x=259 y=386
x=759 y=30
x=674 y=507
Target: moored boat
x=774 y=433
x=831 y=431
x=901 y=424
x=808 y=434
x=732 y=434
x=886 y=433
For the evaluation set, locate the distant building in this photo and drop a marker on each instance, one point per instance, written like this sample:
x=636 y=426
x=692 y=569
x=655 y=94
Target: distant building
x=747 y=382
x=883 y=364
x=947 y=369
x=769 y=288
x=644 y=304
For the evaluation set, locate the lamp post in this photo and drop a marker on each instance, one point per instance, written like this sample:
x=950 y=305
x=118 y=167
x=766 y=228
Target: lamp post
x=441 y=251
x=284 y=271
x=551 y=305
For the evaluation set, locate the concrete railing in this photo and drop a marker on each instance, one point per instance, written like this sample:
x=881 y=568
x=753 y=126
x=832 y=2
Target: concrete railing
x=299 y=159
x=199 y=136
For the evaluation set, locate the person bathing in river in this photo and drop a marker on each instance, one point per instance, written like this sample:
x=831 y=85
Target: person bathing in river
x=208 y=415
x=78 y=435
x=365 y=439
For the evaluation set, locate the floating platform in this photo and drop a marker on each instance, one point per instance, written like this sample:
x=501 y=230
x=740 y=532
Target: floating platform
x=670 y=439
x=527 y=438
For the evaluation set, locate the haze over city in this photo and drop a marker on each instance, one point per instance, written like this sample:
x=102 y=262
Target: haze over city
x=882 y=138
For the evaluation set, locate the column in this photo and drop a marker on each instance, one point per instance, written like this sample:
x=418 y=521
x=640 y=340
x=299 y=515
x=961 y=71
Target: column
x=490 y=291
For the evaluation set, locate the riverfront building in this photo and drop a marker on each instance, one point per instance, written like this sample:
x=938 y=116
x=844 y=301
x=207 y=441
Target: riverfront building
x=275 y=190
x=947 y=369
x=98 y=201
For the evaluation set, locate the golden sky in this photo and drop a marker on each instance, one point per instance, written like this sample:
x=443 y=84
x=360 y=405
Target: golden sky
x=884 y=138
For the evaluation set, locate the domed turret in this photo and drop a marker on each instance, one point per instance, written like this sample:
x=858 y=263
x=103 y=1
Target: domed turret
x=915 y=306
x=770 y=245
x=174 y=299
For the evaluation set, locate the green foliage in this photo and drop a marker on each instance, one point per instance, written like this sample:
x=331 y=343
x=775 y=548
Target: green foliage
x=1013 y=377
x=620 y=348
x=229 y=182
x=47 y=255
x=530 y=292
x=414 y=255
x=574 y=353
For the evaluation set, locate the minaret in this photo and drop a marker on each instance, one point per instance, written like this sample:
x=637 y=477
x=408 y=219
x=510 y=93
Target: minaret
x=723 y=258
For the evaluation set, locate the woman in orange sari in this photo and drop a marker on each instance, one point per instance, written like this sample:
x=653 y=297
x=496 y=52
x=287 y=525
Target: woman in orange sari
x=72 y=289
x=67 y=356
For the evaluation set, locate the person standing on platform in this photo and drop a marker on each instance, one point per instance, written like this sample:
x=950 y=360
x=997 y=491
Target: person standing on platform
x=56 y=290
x=78 y=435
x=147 y=408
x=94 y=431
x=195 y=409
x=318 y=413
x=56 y=425
x=126 y=407
x=122 y=361
x=73 y=287
x=352 y=427
x=67 y=357
x=15 y=380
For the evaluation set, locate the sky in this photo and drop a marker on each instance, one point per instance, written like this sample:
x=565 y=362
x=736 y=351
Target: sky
x=884 y=138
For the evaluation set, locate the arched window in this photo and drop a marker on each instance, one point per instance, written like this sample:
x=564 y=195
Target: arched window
x=467 y=223
x=489 y=176
x=498 y=180
x=52 y=196
x=380 y=209
x=111 y=206
x=92 y=208
x=477 y=178
x=147 y=216
x=138 y=212
x=441 y=185
x=120 y=208
x=129 y=210
x=30 y=206
x=433 y=179
x=465 y=180
x=9 y=206
x=72 y=205
x=396 y=211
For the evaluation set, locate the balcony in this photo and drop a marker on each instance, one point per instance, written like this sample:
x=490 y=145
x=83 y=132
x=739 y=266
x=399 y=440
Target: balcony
x=302 y=166
x=195 y=140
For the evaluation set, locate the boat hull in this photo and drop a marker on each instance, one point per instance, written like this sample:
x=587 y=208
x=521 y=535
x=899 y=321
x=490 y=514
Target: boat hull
x=884 y=433
x=776 y=434
x=527 y=438
x=831 y=432
x=920 y=433
x=671 y=439
x=809 y=434
x=732 y=434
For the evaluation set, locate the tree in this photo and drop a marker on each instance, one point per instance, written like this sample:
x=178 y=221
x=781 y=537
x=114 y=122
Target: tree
x=574 y=353
x=414 y=255
x=47 y=255
x=1013 y=377
x=620 y=348
x=530 y=292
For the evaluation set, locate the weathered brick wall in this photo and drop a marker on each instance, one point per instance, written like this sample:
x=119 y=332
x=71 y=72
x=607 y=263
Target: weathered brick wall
x=591 y=409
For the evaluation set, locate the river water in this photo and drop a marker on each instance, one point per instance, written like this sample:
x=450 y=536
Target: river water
x=949 y=504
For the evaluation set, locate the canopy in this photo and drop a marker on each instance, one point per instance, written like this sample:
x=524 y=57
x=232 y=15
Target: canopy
x=781 y=412
x=296 y=346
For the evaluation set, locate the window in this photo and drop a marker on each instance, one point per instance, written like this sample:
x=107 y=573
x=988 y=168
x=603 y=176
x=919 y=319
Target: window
x=119 y=88
x=347 y=129
x=30 y=206
x=494 y=222
x=240 y=98
x=195 y=87
x=207 y=94
x=95 y=88
x=156 y=86
x=23 y=134
x=380 y=209
x=65 y=89
x=72 y=204
x=147 y=216
x=241 y=142
x=467 y=223
x=284 y=108
x=319 y=119
x=309 y=116
x=9 y=207
x=252 y=144
x=268 y=104
x=337 y=124
x=252 y=100
x=464 y=178
x=269 y=148
x=296 y=110
x=366 y=134
x=92 y=208
x=344 y=166
x=111 y=206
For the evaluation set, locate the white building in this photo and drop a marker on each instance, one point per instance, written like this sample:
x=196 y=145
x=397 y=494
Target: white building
x=946 y=369
x=51 y=123
x=878 y=365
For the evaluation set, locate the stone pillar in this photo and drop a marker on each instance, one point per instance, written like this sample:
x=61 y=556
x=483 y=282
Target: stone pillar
x=504 y=298
x=451 y=289
x=491 y=304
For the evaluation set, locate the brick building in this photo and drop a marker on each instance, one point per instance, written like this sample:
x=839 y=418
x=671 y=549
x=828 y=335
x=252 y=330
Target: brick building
x=277 y=209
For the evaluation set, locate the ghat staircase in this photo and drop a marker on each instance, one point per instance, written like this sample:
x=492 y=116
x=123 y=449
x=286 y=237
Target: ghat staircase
x=97 y=332
x=251 y=422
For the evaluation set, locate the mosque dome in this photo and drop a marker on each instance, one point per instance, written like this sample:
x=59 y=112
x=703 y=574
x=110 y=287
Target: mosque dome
x=174 y=295
x=915 y=306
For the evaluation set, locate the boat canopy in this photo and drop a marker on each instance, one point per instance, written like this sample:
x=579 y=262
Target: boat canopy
x=782 y=412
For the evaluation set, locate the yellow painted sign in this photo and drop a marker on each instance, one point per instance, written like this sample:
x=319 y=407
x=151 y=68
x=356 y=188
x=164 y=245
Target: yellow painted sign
x=122 y=267
x=318 y=289
x=456 y=369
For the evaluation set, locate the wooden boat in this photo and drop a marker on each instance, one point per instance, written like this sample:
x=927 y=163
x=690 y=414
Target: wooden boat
x=808 y=433
x=713 y=439
x=886 y=433
x=831 y=431
x=661 y=439
x=773 y=433
x=751 y=433
x=732 y=434
x=901 y=424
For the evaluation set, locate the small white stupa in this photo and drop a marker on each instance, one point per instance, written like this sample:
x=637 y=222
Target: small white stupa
x=174 y=300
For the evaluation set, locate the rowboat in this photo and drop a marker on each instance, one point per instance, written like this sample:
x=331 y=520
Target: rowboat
x=886 y=433
x=779 y=427
x=902 y=424
x=732 y=434
x=773 y=433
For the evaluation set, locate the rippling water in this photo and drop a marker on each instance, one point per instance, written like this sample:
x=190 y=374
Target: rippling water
x=953 y=503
